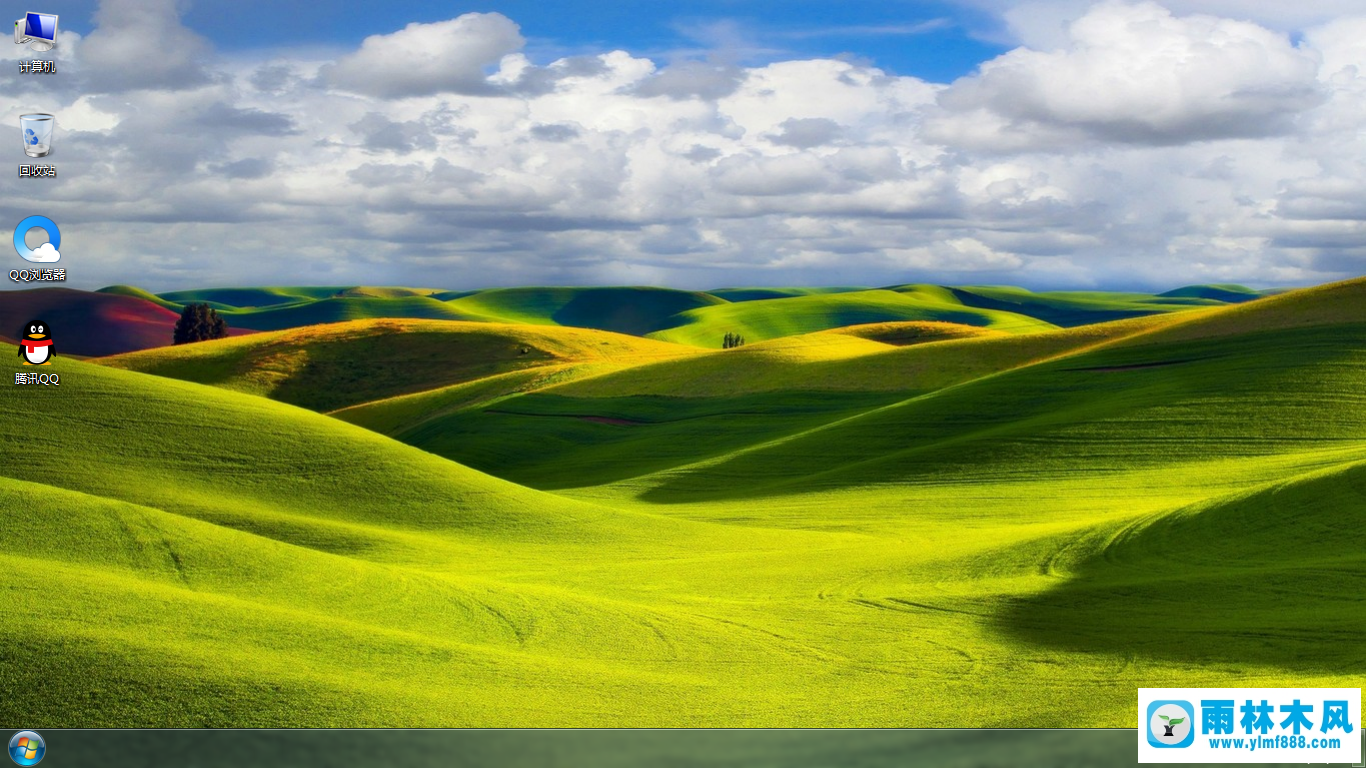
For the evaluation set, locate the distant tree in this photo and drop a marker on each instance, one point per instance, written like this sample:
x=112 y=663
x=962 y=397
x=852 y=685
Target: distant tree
x=732 y=340
x=199 y=322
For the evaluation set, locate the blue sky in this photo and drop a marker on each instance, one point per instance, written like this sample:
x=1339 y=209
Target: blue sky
x=932 y=40
x=1045 y=143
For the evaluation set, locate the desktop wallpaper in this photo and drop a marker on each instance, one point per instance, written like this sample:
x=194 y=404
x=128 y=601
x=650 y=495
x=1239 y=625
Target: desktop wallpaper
x=778 y=364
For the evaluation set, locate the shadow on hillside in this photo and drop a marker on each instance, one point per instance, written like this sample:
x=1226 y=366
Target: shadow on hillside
x=1271 y=579
x=553 y=442
x=633 y=311
x=1114 y=409
x=1180 y=620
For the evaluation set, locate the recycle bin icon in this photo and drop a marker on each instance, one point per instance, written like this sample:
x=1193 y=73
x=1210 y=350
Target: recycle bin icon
x=37 y=131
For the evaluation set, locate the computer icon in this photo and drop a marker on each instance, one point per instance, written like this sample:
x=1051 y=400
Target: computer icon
x=40 y=28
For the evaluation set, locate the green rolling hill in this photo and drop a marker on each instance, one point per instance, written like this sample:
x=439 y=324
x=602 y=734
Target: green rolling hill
x=843 y=362
x=342 y=309
x=138 y=293
x=1219 y=563
x=689 y=317
x=273 y=309
x=91 y=324
x=812 y=530
x=636 y=311
x=326 y=367
x=756 y=294
x=764 y=319
x=310 y=572
x=623 y=423
x=551 y=442
x=400 y=414
x=906 y=334
x=1073 y=308
x=1271 y=378
x=249 y=298
x=1226 y=293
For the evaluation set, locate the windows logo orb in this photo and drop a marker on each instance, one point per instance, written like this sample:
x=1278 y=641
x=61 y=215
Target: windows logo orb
x=30 y=138
x=26 y=748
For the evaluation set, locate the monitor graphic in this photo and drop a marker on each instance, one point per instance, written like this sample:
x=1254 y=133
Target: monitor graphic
x=42 y=27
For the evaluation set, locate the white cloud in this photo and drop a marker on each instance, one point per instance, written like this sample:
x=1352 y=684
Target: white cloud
x=1134 y=73
x=423 y=59
x=140 y=44
x=1148 y=149
x=692 y=79
x=807 y=132
x=964 y=254
x=793 y=174
x=1042 y=24
x=1341 y=45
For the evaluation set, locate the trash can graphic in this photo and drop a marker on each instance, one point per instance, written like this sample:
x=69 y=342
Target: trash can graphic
x=37 y=131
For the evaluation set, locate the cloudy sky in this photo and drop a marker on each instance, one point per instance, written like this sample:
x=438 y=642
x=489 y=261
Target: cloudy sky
x=1046 y=143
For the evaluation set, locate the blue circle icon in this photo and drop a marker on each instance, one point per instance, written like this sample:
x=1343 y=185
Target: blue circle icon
x=27 y=748
x=44 y=253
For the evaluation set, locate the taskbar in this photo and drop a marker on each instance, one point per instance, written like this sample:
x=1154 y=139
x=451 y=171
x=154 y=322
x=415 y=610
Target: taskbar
x=571 y=748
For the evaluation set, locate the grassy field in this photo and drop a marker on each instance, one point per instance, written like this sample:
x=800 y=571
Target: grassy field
x=1002 y=524
x=137 y=293
x=1073 y=308
x=764 y=319
x=636 y=311
x=697 y=318
x=327 y=367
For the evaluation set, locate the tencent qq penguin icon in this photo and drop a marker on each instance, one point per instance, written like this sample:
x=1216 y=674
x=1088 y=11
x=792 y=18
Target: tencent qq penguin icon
x=45 y=253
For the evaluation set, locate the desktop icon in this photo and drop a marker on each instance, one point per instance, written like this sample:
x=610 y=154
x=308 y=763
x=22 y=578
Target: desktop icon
x=36 y=128
x=35 y=345
x=37 y=29
x=1171 y=724
x=26 y=748
x=45 y=253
